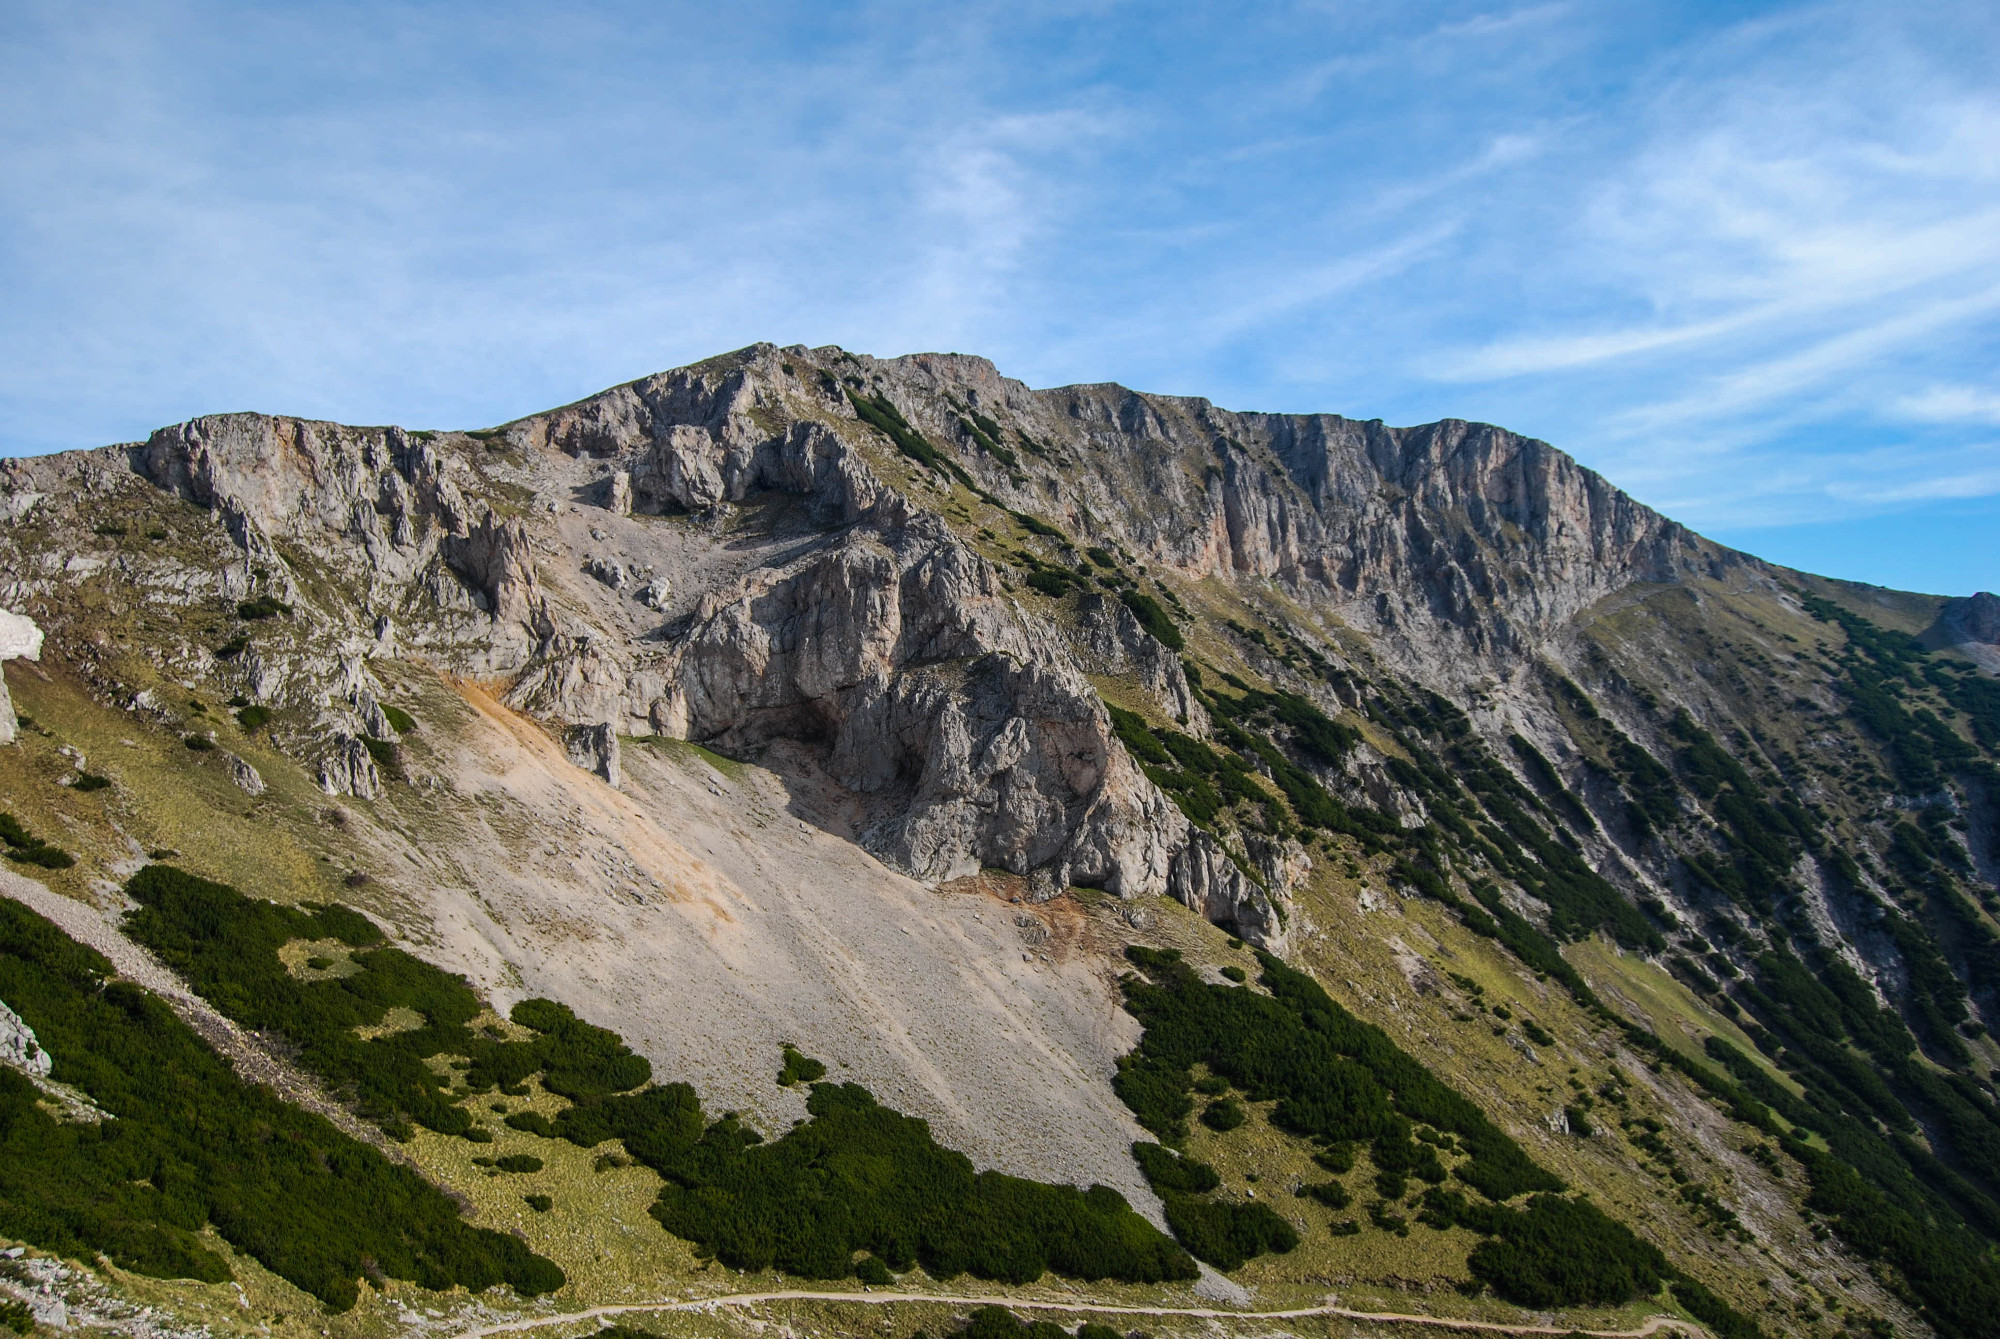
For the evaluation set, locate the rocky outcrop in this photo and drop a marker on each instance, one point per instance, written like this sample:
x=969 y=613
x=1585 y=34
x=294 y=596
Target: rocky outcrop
x=347 y=768
x=972 y=736
x=247 y=778
x=1108 y=640
x=1972 y=626
x=20 y=639
x=498 y=562
x=1208 y=881
x=594 y=748
x=852 y=617
x=18 y=1047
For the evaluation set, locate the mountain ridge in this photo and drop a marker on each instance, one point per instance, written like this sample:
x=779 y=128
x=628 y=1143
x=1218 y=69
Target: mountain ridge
x=1026 y=672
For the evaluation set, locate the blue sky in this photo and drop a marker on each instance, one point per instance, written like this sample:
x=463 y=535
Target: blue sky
x=1743 y=259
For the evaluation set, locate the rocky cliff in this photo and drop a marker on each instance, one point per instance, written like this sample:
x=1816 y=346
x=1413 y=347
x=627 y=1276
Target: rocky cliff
x=1383 y=700
x=733 y=553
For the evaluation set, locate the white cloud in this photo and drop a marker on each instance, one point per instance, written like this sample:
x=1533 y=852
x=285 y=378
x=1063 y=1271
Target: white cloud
x=1951 y=404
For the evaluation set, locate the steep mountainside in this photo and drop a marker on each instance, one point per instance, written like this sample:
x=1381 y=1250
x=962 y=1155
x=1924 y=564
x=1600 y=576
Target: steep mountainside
x=1550 y=912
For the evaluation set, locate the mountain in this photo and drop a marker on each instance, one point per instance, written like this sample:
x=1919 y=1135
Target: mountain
x=846 y=809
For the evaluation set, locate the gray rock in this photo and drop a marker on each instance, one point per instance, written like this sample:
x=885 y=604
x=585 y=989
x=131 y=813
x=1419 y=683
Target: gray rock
x=610 y=573
x=18 y=1047
x=1209 y=883
x=19 y=639
x=594 y=748
x=374 y=720
x=347 y=768
x=964 y=727
x=1979 y=615
x=246 y=776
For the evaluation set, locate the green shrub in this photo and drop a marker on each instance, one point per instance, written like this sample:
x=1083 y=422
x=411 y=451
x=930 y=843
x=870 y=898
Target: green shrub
x=1336 y=1158
x=539 y=1203
x=579 y=1061
x=1153 y=618
x=1054 y=582
x=86 y=781
x=799 y=1069
x=1228 y=1235
x=997 y=1322
x=1334 y=1078
x=234 y=647
x=264 y=606
x=860 y=1177
x=1168 y=1171
x=1236 y=974
x=1725 y=1320
x=1553 y=1252
x=1330 y=1193
x=870 y=1270
x=1226 y=1114
x=518 y=1162
x=198 y=743
x=278 y=1183
x=1034 y=525
x=476 y=1134
x=533 y=1122
x=27 y=849
x=254 y=717
x=44 y=856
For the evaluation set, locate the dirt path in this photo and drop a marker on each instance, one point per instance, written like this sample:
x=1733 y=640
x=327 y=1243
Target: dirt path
x=254 y=1059
x=1652 y=1326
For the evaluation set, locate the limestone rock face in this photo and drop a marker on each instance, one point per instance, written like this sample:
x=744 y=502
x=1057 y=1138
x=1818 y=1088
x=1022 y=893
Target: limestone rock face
x=594 y=748
x=1208 y=882
x=18 y=1047
x=1979 y=616
x=347 y=768
x=726 y=553
x=1972 y=625
x=244 y=775
x=19 y=639
x=1109 y=640
x=497 y=560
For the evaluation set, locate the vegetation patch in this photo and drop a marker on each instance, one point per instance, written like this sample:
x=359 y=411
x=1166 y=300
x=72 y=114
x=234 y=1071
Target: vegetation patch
x=799 y=1069
x=191 y=1145
x=1338 y=1081
x=855 y=1177
x=264 y=606
x=1335 y=1079
x=861 y=1177
x=25 y=848
x=229 y=948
